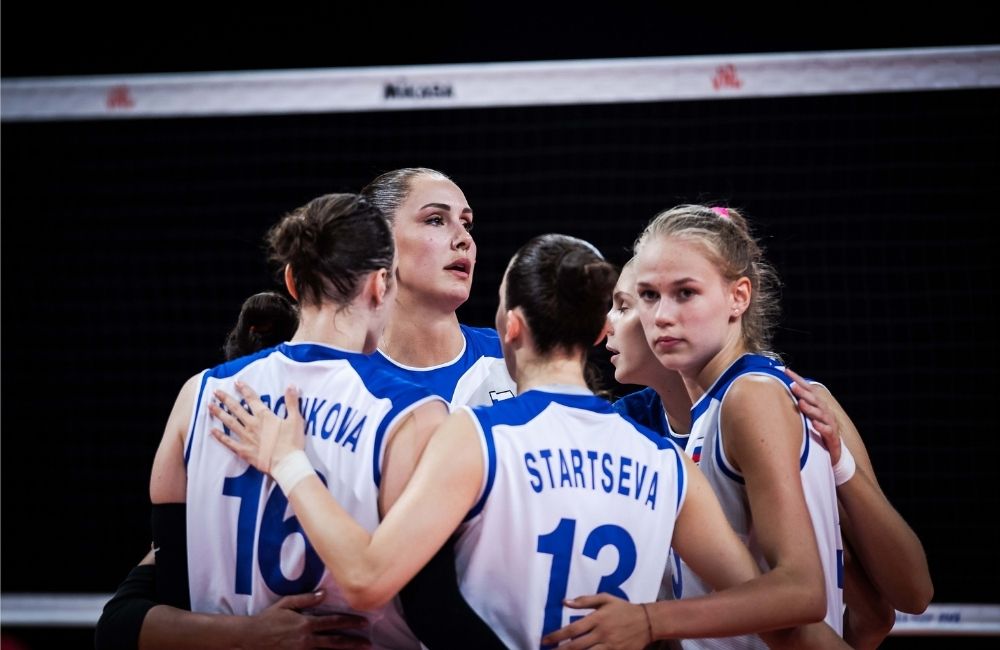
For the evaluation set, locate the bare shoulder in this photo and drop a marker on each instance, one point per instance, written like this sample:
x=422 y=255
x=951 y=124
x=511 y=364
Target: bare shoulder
x=460 y=422
x=168 y=478
x=760 y=420
x=431 y=413
x=184 y=406
x=755 y=393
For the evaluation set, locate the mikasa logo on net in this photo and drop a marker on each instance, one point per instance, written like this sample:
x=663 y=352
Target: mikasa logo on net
x=405 y=90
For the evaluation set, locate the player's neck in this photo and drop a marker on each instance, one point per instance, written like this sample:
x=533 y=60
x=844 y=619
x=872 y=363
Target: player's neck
x=670 y=388
x=422 y=338
x=537 y=371
x=699 y=382
x=344 y=329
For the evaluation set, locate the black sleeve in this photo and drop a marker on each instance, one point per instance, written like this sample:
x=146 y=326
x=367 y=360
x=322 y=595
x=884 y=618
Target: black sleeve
x=121 y=621
x=169 y=521
x=436 y=611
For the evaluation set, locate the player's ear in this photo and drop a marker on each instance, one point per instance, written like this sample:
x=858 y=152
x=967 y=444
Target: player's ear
x=515 y=326
x=377 y=285
x=604 y=331
x=290 y=283
x=739 y=297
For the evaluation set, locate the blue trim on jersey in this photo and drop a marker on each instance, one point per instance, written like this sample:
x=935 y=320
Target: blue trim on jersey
x=722 y=466
x=645 y=407
x=230 y=368
x=744 y=364
x=662 y=442
x=442 y=380
x=805 y=450
x=377 y=381
x=676 y=577
x=681 y=476
x=642 y=406
x=194 y=419
x=221 y=371
x=748 y=363
x=380 y=382
x=528 y=405
x=491 y=473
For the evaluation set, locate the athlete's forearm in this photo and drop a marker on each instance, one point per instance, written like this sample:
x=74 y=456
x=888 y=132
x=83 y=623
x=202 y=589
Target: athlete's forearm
x=134 y=619
x=370 y=569
x=344 y=546
x=775 y=600
x=868 y=617
x=166 y=628
x=885 y=545
x=817 y=636
x=887 y=548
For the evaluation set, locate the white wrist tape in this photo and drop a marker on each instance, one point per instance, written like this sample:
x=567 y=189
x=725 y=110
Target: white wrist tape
x=844 y=469
x=291 y=469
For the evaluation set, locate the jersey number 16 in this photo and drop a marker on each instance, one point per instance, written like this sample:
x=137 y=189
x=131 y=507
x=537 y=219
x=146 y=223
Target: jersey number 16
x=274 y=529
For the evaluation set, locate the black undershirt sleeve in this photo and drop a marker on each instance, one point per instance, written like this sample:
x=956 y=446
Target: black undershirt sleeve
x=436 y=611
x=169 y=521
x=121 y=621
x=165 y=583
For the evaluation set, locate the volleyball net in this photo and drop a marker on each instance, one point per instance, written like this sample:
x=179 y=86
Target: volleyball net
x=853 y=159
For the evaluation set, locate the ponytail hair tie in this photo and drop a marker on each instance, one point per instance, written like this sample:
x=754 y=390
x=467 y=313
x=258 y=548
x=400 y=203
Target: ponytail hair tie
x=722 y=212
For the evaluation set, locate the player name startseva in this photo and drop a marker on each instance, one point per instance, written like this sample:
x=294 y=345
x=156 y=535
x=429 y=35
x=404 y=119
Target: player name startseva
x=551 y=469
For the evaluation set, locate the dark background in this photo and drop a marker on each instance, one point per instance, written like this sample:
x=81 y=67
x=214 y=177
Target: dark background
x=127 y=37
x=128 y=245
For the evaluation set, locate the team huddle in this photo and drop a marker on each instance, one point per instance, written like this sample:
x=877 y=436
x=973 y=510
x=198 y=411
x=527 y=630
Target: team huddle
x=365 y=471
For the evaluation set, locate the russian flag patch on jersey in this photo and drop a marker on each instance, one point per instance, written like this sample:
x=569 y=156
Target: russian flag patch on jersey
x=696 y=456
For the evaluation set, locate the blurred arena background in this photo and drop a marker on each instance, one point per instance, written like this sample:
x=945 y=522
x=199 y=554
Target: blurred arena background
x=133 y=208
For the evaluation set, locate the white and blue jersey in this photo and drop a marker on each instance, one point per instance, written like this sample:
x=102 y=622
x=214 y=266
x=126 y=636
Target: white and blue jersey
x=476 y=377
x=246 y=548
x=645 y=407
x=576 y=500
x=729 y=486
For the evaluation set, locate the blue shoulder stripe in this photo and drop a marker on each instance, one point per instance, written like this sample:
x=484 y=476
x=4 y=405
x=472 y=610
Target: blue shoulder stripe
x=661 y=441
x=383 y=384
x=750 y=363
x=743 y=364
x=681 y=475
x=194 y=418
x=482 y=420
x=221 y=371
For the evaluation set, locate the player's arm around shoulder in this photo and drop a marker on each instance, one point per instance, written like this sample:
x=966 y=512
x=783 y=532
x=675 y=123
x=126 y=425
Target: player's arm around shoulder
x=371 y=569
x=168 y=479
x=404 y=448
x=888 y=548
x=762 y=438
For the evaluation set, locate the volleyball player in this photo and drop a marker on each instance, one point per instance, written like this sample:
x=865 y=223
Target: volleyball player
x=424 y=342
x=541 y=485
x=899 y=577
x=707 y=305
x=432 y=221
x=136 y=616
x=369 y=425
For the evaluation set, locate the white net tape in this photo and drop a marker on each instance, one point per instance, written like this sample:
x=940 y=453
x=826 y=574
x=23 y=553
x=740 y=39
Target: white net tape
x=500 y=84
x=83 y=610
